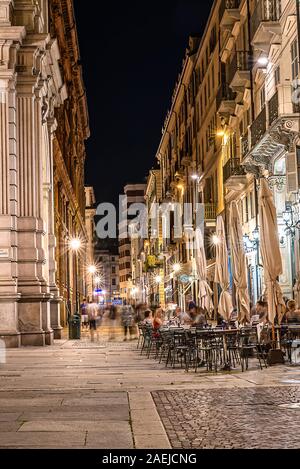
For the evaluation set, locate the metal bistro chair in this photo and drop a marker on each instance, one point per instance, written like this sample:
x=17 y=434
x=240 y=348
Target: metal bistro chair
x=249 y=345
x=232 y=343
x=146 y=333
x=205 y=354
x=155 y=342
x=286 y=341
x=166 y=341
x=141 y=335
x=178 y=349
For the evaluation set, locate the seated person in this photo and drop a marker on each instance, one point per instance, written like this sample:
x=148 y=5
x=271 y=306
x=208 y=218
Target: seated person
x=198 y=317
x=158 y=319
x=184 y=318
x=260 y=311
x=233 y=320
x=292 y=315
x=148 y=321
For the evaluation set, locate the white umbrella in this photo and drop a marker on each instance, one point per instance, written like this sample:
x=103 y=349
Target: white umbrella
x=205 y=292
x=270 y=252
x=239 y=269
x=222 y=272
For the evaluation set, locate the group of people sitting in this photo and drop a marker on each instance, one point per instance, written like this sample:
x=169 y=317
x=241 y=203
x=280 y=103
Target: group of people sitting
x=195 y=316
x=259 y=314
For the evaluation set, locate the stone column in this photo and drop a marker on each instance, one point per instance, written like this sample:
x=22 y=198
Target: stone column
x=8 y=286
x=10 y=39
x=34 y=306
x=56 y=299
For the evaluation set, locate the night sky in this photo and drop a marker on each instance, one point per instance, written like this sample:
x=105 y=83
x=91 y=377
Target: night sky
x=131 y=54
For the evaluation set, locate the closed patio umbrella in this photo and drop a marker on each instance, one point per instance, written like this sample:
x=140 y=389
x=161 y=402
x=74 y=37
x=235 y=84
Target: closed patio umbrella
x=239 y=269
x=222 y=271
x=270 y=252
x=205 y=292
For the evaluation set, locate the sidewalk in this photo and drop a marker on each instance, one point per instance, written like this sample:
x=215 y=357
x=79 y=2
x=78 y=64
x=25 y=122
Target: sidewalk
x=100 y=395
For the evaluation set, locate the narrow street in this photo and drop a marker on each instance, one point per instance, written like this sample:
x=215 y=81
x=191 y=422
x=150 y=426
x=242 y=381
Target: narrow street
x=106 y=395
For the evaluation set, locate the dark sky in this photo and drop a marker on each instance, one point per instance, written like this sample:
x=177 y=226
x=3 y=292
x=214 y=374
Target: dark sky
x=131 y=53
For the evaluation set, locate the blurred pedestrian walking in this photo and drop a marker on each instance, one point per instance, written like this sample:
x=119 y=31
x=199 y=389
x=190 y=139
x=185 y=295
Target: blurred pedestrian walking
x=93 y=315
x=127 y=321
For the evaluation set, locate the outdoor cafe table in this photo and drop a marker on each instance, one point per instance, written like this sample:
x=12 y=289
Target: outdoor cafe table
x=222 y=332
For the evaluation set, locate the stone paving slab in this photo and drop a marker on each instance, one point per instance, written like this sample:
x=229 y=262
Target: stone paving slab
x=77 y=414
x=9 y=416
x=95 y=401
x=41 y=440
x=109 y=440
x=75 y=426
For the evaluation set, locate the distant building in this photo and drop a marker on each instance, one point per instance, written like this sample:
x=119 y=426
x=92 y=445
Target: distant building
x=90 y=212
x=107 y=261
x=135 y=193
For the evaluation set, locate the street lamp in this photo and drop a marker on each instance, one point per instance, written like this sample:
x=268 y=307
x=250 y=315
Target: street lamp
x=176 y=268
x=92 y=270
x=75 y=245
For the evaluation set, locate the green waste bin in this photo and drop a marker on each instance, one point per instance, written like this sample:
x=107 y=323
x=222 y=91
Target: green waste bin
x=74 y=327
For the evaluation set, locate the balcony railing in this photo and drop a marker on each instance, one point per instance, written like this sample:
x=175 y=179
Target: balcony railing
x=225 y=93
x=210 y=211
x=228 y=5
x=259 y=127
x=233 y=168
x=273 y=106
x=239 y=63
x=245 y=145
x=265 y=10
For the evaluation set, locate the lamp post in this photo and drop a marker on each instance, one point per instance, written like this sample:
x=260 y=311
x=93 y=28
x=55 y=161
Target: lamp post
x=75 y=246
x=92 y=270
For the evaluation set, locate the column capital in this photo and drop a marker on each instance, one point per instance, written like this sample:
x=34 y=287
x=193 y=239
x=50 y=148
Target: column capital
x=6 y=12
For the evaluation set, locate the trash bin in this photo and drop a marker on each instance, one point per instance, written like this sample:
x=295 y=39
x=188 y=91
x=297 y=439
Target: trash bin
x=74 y=327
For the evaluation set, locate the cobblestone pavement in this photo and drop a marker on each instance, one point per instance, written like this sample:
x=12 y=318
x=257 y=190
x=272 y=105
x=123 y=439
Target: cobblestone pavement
x=262 y=418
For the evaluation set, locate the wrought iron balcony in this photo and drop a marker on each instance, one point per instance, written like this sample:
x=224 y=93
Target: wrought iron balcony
x=265 y=22
x=273 y=106
x=239 y=70
x=259 y=127
x=225 y=99
x=233 y=168
x=210 y=211
x=245 y=147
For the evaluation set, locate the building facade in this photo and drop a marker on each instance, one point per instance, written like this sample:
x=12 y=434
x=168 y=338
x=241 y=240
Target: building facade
x=133 y=194
x=234 y=118
x=90 y=212
x=43 y=127
x=107 y=279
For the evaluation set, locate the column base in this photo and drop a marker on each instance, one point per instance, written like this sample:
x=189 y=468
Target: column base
x=57 y=332
x=49 y=337
x=11 y=339
x=33 y=339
